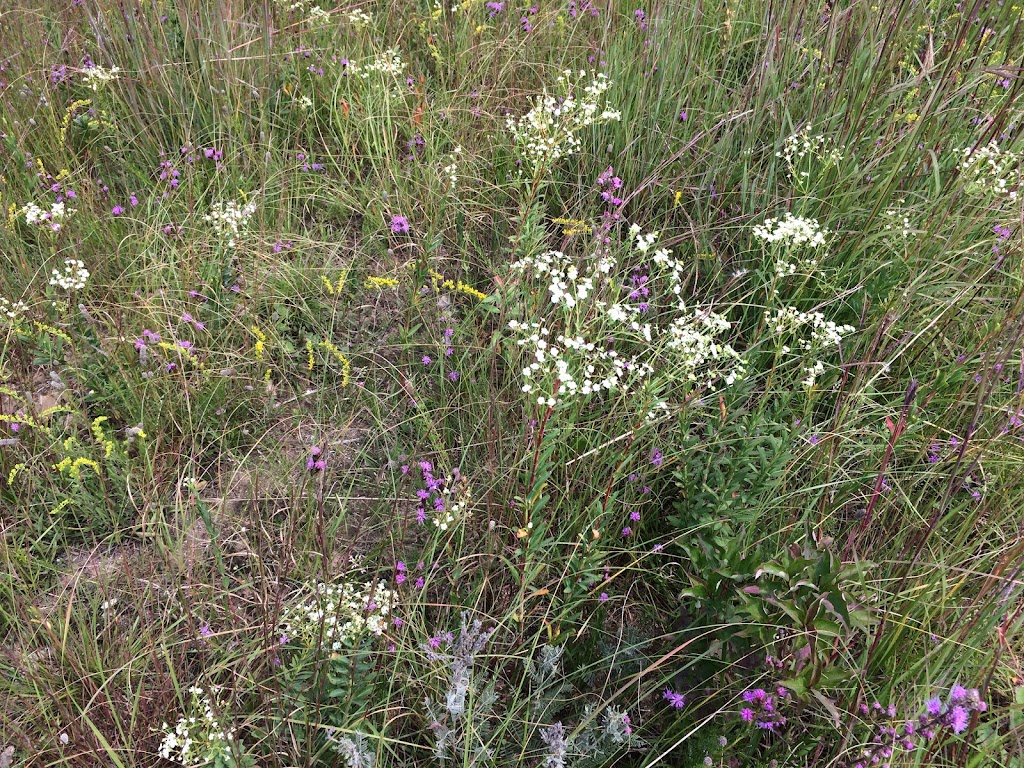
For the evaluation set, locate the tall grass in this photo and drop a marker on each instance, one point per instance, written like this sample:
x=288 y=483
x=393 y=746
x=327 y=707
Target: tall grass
x=566 y=573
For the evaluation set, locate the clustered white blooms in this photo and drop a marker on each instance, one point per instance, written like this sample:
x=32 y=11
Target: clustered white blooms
x=694 y=336
x=360 y=18
x=662 y=257
x=550 y=130
x=36 y=216
x=452 y=169
x=823 y=334
x=318 y=17
x=12 y=310
x=72 y=278
x=387 y=63
x=565 y=366
x=315 y=15
x=987 y=170
x=796 y=236
x=572 y=366
x=229 y=218
x=337 y=614
x=791 y=230
x=98 y=77
x=898 y=219
x=443 y=517
x=658 y=410
x=199 y=737
x=803 y=145
x=566 y=285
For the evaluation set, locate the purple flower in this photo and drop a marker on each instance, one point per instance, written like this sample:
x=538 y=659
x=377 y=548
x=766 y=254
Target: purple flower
x=747 y=714
x=453 y=375
x=958 y=719
x=205 y=631
x=656 y=458
x=427 y=360
x=934 y=706
x=313 y=464
x=604 y=597
x=675 y=700
x=117 y=210
x=682 y=116
x=399 y=225
x=957 y=693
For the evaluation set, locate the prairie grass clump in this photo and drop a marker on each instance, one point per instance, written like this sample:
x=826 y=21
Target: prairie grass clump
x=556 y=384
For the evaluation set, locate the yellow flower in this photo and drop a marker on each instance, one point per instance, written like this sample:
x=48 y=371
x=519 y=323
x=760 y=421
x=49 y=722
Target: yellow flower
x=52 y=331
x=380 y=282
x=14 y=471
x=457 y=286
x=346 y=367
x=261 y=339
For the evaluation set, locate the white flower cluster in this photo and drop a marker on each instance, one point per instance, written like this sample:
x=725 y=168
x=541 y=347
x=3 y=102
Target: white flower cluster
x=662 y=257
x=987 y=170
x=659 y=410
x=452 y=169
x=72 y=278
x=452 y=509
x=229 y=218
x=98 y=77
x=803 y=144
x=315 y=15
x=824 y=333
x=359 y=18
x=792 y=233
x=812 y=372
x=318 y=17
x=12 y=310
x=572 y=366
x=693 y=336
x=198 y=738
x=550 y=129
x=565 y=283
x=36 y=216
x=893 y=221
x=337 y=614
x=387 y=63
